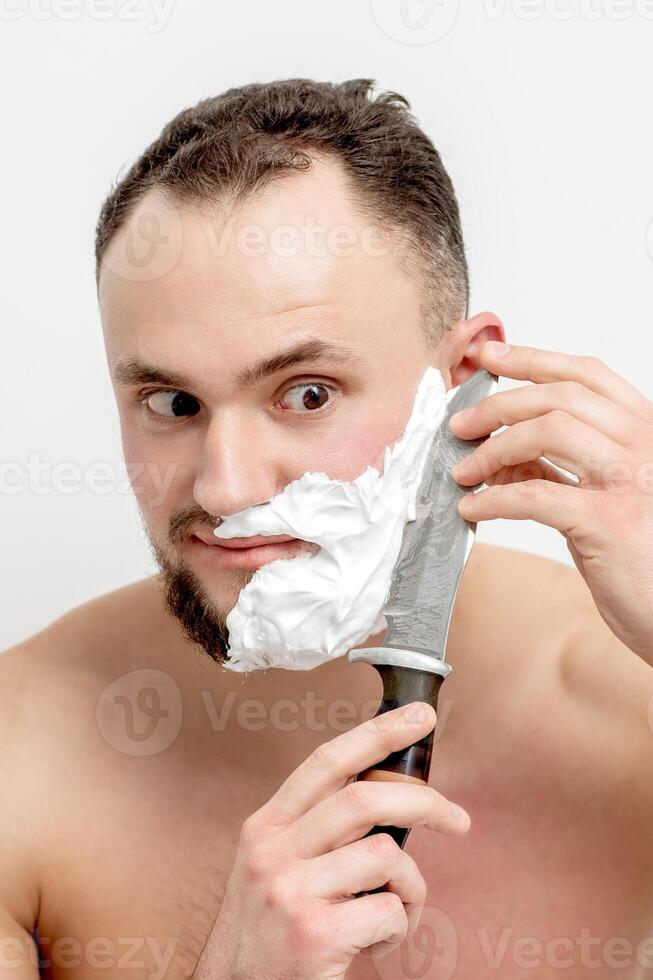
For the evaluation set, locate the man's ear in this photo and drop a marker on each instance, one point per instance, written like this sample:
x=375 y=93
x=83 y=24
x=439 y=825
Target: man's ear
x=464 y=345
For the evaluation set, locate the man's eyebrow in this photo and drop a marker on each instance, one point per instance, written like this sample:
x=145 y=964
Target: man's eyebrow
x=134 y=372
x=131 y=371
x=311 y=349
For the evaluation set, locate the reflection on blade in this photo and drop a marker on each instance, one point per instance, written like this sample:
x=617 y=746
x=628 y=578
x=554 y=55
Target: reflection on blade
x=436 y=545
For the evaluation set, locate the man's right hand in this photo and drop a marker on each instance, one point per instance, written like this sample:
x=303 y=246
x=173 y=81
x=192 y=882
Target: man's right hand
x=290 y=908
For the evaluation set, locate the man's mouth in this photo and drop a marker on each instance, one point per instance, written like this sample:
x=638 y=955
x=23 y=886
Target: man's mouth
x=245 y=553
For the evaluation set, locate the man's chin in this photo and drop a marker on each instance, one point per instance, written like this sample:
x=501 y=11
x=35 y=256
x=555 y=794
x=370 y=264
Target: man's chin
x=187 y=600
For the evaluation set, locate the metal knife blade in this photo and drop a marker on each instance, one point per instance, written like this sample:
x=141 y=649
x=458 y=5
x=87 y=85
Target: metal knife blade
x=434 y=549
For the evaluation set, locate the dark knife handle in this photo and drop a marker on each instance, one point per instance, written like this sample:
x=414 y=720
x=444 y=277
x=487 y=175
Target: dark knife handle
x=403 y=685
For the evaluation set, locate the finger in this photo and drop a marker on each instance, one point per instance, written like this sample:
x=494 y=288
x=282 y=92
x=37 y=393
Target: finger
x=534 y=469
x=333 y=763
x=564 y=440
x=364 y=864
x=542 y=366
x=531 y=401
x=557 y=506
x=350 y=813
x=378 y=921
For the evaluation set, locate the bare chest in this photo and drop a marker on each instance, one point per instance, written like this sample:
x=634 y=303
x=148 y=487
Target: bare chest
x=545 y=880
x=523 y=895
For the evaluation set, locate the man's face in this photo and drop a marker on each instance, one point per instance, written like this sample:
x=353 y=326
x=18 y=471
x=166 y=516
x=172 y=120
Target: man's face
x=204 y=307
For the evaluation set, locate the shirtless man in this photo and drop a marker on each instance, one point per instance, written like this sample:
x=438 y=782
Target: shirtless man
x=163 y=817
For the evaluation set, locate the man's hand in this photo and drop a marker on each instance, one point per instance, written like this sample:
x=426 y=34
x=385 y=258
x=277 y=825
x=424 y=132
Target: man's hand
x=290 y=907
x=586 y=419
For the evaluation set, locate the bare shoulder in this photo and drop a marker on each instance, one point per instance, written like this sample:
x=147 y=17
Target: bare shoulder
x=520 y=601
x=533 y=603
x=49 y=686
x=41 y=672
x=103 y=632
x=50 y=682
x=539 y=591
x=597 y=691
x=502 y=567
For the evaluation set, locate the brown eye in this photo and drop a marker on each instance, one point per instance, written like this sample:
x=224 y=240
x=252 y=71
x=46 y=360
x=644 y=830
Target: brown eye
x=307 y=397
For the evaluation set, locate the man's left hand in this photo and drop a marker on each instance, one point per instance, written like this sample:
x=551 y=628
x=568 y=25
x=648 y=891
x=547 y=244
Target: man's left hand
x=583 y=417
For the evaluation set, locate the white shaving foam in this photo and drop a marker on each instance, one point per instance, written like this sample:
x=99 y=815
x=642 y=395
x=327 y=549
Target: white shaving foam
x=301 y=612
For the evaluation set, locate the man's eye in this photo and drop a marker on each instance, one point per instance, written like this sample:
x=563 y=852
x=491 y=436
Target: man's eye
x=171 y=403
x=311 y=396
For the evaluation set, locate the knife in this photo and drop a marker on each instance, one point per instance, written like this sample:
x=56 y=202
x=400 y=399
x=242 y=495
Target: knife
x=434 y=549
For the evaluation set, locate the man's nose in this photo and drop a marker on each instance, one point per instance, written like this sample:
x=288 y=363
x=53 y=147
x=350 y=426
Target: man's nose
x=235 y=470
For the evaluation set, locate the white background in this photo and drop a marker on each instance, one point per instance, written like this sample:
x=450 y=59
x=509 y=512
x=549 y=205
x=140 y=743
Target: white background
x=541 y=111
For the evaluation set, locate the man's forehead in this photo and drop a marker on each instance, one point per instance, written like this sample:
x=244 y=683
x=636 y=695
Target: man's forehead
x=296 y=257
x=299 y=240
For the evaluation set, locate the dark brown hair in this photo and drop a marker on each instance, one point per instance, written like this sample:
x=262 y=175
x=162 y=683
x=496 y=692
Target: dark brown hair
x=238 y=141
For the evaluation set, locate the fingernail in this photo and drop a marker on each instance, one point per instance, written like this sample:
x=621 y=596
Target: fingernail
x=416 y=713
x=460 y=816
x=496 y=347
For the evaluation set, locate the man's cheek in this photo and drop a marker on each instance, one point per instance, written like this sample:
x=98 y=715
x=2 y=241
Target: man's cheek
x=361 y=446
x=155 y=483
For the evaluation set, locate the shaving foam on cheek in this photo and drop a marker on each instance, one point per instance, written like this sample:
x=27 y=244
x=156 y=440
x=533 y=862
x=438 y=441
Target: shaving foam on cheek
x=300 y=612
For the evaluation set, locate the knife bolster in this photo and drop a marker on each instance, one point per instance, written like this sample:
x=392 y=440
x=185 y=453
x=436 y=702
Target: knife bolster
x=396 y=657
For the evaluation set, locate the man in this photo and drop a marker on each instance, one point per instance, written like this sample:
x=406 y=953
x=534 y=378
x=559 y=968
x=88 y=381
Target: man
x=275 y=274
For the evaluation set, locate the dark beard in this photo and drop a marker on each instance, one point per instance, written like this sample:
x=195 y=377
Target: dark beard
x=185 y=600
x=184 y=597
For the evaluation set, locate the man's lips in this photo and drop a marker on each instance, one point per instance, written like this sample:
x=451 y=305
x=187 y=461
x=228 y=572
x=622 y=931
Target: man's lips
x=255 y=542
x=246 y=554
